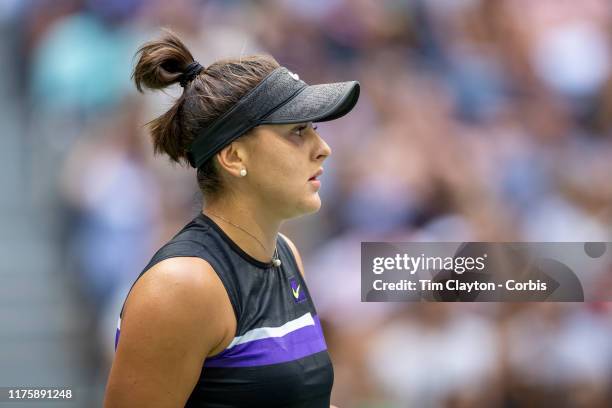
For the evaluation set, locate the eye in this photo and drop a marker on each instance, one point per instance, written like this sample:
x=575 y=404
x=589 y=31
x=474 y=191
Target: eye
x=300 y=129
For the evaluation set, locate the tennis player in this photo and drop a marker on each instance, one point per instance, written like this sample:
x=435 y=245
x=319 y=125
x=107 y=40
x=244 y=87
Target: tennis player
x=223 y=317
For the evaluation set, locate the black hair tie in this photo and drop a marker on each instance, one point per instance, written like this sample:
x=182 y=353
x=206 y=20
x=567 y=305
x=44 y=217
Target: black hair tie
x=192 y=70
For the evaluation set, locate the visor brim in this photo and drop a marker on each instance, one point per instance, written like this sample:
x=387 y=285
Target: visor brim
x=317 y=103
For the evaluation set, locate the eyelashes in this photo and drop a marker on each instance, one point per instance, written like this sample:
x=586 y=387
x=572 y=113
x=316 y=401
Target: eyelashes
x=298 y=131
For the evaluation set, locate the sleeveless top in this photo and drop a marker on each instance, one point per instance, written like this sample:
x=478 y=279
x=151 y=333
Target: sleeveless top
x=278 y=357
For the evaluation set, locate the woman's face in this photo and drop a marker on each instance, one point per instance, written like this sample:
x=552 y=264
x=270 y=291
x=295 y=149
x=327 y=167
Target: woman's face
x=284 y=163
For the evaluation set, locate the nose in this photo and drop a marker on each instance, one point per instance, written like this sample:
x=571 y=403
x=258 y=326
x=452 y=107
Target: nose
x=322 y=148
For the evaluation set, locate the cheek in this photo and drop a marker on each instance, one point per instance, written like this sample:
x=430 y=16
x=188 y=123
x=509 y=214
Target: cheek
x=281 y=179
x=279 y=174
x=276 y=163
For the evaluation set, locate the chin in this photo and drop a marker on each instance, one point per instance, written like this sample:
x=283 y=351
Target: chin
x=313 y=204
x=308 y=206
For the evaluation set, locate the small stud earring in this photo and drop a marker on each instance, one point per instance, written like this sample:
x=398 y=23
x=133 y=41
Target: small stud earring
x=243 y=172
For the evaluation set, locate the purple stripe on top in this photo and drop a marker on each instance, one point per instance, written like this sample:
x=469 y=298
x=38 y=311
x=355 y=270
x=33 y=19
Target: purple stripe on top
x=117 y=338
x=300 y=343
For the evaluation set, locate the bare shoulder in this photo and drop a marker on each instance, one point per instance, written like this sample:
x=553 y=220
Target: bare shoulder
x=183 y=292
x=176 y=315
x=296 y=253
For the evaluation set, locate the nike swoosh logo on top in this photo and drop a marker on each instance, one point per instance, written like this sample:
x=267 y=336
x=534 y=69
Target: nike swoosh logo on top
x=296 y=291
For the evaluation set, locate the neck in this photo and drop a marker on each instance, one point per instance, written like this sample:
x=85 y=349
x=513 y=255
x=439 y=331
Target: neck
x=251 y=218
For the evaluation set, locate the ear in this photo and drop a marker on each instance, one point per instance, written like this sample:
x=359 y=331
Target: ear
x=232 y=158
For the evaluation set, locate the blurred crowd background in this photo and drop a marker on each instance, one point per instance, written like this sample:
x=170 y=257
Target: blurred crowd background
x=481 y=120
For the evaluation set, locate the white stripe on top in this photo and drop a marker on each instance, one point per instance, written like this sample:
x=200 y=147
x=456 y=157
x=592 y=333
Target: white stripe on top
x=266 y=332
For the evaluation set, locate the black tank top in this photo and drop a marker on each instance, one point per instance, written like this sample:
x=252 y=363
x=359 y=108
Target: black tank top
x=278 y=357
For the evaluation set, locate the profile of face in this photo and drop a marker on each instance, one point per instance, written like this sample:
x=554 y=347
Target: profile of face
x=283 y=164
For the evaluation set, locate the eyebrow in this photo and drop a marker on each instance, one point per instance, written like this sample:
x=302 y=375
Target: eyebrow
x=299 y=125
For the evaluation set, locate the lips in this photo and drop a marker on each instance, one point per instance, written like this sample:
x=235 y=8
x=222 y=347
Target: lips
x=317 y=174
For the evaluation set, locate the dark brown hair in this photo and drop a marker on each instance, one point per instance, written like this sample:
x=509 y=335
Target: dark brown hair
x=212 y=92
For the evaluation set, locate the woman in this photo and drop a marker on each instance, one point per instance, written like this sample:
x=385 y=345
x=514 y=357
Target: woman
x=222 y=317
